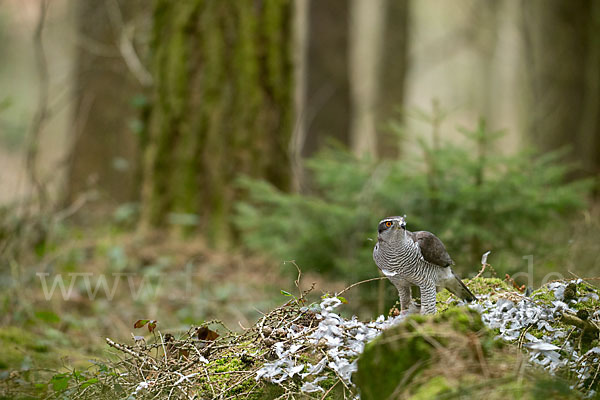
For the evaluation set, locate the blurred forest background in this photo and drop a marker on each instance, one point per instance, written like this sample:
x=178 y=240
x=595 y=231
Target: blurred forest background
x=168 y=159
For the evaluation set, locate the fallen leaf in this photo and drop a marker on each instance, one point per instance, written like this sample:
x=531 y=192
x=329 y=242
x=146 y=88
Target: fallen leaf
x=206 y=334
x=140 y=322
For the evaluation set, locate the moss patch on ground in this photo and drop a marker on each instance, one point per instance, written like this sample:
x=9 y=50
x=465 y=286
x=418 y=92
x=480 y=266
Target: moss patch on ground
x=494 y=287
x=29 y=360
x=22 y=348
x=450 y=355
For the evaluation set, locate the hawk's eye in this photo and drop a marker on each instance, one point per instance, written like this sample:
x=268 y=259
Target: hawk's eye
x=388 y=224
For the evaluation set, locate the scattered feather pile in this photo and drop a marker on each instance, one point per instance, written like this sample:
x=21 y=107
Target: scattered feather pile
x=335 y=344
x=547 y=325
x=558 y=325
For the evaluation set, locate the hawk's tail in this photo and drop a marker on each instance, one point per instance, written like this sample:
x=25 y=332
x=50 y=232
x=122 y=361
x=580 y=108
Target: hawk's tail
x=457 y=287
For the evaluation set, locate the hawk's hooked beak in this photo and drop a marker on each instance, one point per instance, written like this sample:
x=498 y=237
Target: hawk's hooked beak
x=403 y=223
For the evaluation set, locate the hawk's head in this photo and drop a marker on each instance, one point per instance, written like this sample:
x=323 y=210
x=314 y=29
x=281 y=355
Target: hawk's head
x=391 y=228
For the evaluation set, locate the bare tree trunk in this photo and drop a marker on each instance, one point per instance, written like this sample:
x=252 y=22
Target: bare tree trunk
x=562 y=57
x=354 y=49
x=589 y=143
x=300 y=51
x=393 y=70
x=366 y=34
x=104 y=145
x=327 y=103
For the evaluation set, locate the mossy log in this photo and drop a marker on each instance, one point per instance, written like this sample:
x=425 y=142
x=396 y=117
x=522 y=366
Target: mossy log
x=574 y=320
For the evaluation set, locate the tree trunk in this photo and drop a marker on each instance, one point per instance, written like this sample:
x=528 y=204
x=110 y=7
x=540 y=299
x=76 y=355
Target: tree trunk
x=104 y=149
x=392 y=81
x=563 y=60
x=300 y=60
x=221 y=107
x=366 y=34
x=356 y=62
x=327 y=100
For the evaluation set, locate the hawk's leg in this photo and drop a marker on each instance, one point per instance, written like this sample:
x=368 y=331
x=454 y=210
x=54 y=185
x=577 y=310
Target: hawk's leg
x=404 y=294
x=428 y=299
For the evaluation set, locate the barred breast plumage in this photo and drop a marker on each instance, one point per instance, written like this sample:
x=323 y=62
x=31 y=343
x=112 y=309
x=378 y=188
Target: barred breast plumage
x=415 y=258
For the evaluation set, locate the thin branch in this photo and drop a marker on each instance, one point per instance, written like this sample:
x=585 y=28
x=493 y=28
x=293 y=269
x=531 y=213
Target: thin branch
x=126 y=47
x=297 y=281
x=361 y=282
x=132 y=353
x=331 y=388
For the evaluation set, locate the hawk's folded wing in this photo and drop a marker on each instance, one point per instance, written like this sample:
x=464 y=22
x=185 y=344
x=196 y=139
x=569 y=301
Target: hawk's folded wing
x=432 y=248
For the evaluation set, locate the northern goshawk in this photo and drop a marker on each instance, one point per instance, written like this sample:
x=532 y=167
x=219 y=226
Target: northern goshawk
x=416 y=258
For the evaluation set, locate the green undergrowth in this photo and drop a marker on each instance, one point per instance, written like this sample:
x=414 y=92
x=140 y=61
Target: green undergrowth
x=469 y=194
x=20 y=348
x=30 y=360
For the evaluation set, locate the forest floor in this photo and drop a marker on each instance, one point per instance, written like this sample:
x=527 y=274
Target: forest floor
x=70 y=293
x=63 y=301
x=507 y=344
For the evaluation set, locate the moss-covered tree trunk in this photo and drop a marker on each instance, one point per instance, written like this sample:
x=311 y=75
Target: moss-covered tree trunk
x=221 y=108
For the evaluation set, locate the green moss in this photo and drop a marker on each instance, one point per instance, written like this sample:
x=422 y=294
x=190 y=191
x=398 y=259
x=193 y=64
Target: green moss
x=267 y=391
x=418 y=318
x=401 y=352
x=223 y=372
x=581 y=292
x=16 y=343
x=479 y=286
x=538 y=333
x=220 y=379
x=436 y=357
x=433 y=388
x=222 y=79
x=543 y=296
x=465 y=322
x=585 y=300
x=337 y=392
x=329 y=382
x=385 y=358
x=22 y=347
x=487 y=285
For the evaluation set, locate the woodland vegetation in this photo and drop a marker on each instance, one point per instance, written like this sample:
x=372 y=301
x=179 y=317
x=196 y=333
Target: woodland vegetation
x=185 y=186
